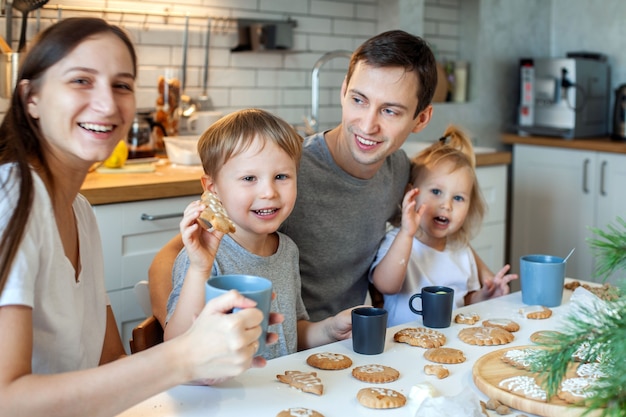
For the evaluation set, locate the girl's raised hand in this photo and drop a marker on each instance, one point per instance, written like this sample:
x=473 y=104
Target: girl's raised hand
x=411 y=216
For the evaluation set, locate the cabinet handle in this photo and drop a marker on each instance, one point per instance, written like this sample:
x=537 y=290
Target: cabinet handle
x=585 y=169
x=602 y=170
x=152 y=217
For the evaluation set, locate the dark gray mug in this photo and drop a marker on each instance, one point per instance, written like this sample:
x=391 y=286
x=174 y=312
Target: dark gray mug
x=369 y=329
x=437 y=303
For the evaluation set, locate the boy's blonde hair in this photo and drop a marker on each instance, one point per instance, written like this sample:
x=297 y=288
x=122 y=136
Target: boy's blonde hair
x=457 y=148
x=234 y=133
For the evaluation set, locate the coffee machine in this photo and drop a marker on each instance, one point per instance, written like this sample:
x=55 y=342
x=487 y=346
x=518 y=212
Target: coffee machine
x=564 y=97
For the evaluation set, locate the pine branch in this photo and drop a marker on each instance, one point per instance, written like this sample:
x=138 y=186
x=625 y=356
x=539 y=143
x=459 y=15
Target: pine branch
x=594 y=337
x=593 y=334
x=609 y=248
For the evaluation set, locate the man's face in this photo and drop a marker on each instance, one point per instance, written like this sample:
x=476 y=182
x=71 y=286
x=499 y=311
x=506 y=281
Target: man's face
x=378 y=108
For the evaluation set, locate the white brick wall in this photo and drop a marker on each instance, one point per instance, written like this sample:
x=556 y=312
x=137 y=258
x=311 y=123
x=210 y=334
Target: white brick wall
x=442 y=27
x=277 y=81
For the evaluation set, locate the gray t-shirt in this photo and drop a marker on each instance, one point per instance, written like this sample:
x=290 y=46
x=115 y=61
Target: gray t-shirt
x=281 y=268
x=338 y=223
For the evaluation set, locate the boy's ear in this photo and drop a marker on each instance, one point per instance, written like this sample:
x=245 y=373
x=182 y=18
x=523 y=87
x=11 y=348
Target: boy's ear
x=208 y=183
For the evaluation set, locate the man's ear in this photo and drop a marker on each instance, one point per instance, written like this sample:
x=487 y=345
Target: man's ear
x=423 y=119
x=25 y=91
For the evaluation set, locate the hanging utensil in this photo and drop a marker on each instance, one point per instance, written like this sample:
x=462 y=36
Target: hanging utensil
x=8 y=10
x=188 y=106
x=185 y=48
x=204 y=101
x=26 y=6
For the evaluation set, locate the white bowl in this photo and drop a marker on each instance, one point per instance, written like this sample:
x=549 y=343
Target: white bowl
x=182 y=150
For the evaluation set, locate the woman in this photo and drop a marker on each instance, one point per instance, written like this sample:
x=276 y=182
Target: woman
x=73 y=103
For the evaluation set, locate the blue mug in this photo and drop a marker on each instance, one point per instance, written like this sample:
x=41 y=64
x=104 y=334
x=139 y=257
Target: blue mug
x=255 y=288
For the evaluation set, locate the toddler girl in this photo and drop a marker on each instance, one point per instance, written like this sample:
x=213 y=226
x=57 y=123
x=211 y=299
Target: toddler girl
x=441 y=212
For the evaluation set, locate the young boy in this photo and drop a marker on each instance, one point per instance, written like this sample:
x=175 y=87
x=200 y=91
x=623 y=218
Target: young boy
x=250 y=159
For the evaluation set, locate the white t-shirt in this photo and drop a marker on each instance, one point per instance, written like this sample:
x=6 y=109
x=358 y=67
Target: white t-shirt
x=454 y=268
x=69 y=317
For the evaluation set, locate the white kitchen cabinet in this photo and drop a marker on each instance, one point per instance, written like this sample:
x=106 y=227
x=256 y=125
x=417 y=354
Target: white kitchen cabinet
x=132 y=233
x=491 y=241
x=558 y=194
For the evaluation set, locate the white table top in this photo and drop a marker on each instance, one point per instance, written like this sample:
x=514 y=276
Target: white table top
x=258 y=393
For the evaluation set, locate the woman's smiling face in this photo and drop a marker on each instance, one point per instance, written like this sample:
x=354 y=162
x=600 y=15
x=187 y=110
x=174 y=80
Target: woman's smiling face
x=85 y=103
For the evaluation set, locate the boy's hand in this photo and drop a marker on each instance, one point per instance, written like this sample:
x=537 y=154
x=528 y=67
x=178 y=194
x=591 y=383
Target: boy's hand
x=201 y=244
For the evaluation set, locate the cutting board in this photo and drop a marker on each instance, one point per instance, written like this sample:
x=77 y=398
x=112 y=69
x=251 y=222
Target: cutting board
x=489 y=370
x=127 y=169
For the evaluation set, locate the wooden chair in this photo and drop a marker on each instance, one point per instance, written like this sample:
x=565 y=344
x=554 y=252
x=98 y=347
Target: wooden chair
x=149 y=332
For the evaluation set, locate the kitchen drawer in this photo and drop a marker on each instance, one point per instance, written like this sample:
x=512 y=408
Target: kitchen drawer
x=490 y=245
x=130 y=242
x=493 y=184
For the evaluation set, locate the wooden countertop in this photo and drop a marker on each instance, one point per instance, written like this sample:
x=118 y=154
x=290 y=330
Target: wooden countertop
x=176 y=180
x=602 y=144
x=167 y=181
x=493 y=158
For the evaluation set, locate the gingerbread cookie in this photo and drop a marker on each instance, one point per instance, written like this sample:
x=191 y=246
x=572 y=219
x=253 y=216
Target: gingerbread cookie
x=543 y=336
x=590 y=370
x=506 y=324
x=466 y=318
x=304 y=381
x=421 y=337
x=445 y=355
x=586 y=353
x=439 y=371
x=524 y=386
x=329 y=361
x=535 y=312
x=376 y=374
x=485 y=336
x=299 y=412
x=576 y=390
x=374 y=397
x=214 y=216
x=519 y=358
x=605 y=292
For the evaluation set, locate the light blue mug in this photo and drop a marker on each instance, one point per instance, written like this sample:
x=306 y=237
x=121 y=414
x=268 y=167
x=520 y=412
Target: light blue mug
x=255 y=288
x=542 y=278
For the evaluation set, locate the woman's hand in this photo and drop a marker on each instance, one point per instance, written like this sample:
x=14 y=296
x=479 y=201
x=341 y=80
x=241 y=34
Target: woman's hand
x=221 y=344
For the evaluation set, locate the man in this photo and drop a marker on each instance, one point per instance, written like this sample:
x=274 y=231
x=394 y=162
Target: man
x=352 y=178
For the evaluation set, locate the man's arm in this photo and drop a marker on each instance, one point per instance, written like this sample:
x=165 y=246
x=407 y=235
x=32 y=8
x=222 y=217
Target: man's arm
x=160 y=277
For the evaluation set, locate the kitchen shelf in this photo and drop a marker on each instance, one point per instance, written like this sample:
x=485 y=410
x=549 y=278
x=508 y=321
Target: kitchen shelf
x=164 y=14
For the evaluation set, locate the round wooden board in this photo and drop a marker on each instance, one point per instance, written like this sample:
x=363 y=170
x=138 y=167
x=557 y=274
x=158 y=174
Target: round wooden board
x=489 y=370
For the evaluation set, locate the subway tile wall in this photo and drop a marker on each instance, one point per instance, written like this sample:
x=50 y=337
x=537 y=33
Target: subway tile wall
x=276 y=81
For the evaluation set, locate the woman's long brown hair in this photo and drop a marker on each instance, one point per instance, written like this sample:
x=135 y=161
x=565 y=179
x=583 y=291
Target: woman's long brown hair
x=20 y=136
